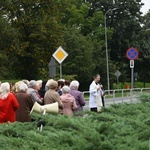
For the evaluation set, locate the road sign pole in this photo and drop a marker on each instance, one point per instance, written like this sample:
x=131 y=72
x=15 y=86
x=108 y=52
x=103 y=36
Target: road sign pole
x=132 y=77
x=60 y=54
x=132 y=72
x=61 y=71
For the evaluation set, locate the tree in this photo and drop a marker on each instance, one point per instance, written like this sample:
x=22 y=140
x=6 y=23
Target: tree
x=79 y=61
x=39 y=33
x=38 y=28
x=143 y=42
x=8 y=40
x=90 y=28
x=125 y=22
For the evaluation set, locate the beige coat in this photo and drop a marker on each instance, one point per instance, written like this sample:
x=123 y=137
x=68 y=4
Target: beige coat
x=51 y=96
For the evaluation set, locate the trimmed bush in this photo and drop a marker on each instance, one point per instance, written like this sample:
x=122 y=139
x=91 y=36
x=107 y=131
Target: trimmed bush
x=120 y=127
x=144 y=97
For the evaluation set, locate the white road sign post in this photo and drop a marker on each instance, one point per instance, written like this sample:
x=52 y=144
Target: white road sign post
x=132 y=72
x=60 y=54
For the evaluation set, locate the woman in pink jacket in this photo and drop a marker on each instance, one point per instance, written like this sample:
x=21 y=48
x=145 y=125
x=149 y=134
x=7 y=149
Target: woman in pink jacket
x=8 y=104
x=68 y=101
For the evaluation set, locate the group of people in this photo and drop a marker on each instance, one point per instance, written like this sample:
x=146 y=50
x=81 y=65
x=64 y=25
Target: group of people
x=16 y=101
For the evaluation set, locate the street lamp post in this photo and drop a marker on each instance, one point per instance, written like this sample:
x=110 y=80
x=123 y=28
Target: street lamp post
x=108 y=83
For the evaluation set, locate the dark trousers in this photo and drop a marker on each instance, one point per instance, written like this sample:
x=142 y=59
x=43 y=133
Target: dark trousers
x=94 y=109
x=103 y=103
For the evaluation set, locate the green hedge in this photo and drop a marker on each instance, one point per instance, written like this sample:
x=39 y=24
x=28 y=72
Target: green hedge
x=120 y=127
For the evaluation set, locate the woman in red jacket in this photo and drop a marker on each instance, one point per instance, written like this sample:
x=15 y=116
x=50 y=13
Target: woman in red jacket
x=8 y=104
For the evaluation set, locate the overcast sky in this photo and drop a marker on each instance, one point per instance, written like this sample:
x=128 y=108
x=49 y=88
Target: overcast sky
x=146 y=6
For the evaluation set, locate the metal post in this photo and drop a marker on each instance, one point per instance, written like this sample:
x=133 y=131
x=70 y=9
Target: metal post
x=108 y=83
x=60 y=71
x=132 y=78
x=107 y=54
x=132 y=72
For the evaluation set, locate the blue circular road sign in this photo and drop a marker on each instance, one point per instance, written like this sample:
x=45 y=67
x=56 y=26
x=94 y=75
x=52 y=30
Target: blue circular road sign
x=132 y=53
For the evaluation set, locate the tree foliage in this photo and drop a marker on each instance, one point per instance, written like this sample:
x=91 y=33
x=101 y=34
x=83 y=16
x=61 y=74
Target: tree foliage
x=31 y=31
x=39 y=33
x=143 y=42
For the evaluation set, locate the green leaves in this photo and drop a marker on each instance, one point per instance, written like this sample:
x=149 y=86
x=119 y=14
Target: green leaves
x=32 y=30
x=118 y=127
x=144 y=97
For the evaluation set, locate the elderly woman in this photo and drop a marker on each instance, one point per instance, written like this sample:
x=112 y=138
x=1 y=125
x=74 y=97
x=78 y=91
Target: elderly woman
x=25 y=102
x=33 y=91
x=51 y=96
x=8 y=104
x=48 y=84
x=74 y=85
x=68 y=101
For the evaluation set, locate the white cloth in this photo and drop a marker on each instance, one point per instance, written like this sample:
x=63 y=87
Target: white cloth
x=95 y=95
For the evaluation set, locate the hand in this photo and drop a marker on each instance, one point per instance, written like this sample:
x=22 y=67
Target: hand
x=98 y=88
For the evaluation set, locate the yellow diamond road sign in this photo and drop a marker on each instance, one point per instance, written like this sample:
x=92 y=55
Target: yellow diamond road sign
x=60 y=54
